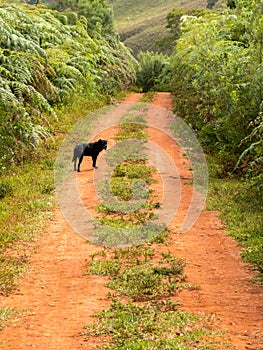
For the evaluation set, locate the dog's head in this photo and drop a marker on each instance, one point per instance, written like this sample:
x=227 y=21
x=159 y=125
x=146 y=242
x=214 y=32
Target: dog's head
x=103 y=144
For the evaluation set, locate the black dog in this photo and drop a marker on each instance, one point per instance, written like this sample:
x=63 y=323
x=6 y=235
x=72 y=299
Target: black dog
x=88 y=149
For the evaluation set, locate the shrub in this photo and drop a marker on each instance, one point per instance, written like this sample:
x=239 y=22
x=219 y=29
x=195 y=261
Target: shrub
x=153 y=72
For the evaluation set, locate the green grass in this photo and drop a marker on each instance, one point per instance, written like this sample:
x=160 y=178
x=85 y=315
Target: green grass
x=241 y=204
x=23 y=215
x=119 y=233
x=135 y=171
x=132 y=131
x=149 y=318
x=148 y=97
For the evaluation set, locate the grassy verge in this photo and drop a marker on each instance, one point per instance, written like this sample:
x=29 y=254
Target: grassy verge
x=240 y=204
x=23 y=213
x=143 y=279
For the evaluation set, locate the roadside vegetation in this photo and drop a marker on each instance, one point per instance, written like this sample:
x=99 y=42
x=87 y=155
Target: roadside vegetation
x=240 y=204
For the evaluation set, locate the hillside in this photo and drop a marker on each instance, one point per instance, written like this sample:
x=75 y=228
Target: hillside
x=141 y=23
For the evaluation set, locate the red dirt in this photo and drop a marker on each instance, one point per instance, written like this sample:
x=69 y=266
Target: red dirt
x=58 y=299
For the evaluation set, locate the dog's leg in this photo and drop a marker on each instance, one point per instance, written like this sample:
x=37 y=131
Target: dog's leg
x=75 y=162
x=94 y=159
x=80 y=160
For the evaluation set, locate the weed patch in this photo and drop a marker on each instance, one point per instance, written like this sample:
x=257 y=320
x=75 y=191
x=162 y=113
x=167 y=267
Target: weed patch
x=158 y=326
x=6 y=187
x=148 y=97
x=117 y=233
x=135 y=171
x=137 y=275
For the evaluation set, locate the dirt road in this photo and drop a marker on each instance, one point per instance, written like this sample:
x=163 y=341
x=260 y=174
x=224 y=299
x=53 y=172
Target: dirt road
x=58 y=299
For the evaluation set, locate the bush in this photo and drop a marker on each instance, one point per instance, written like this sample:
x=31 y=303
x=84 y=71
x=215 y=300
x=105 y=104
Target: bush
x=153 y=72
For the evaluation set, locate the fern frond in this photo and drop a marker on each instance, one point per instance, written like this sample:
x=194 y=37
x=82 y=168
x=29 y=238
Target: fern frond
x=40 y=102
x=38 y=133
x=70 y=72
x=5 y=73
x=7 y=98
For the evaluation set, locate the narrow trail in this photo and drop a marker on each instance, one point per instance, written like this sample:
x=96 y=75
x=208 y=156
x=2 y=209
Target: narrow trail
x=58 y=299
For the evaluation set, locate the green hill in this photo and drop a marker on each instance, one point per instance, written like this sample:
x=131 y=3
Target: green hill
x=141 y=23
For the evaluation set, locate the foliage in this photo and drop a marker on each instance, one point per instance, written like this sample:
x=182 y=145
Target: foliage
x=217 y=79
x=150 y=278
x=6 y=187
x=153 y=72
x=43 y=59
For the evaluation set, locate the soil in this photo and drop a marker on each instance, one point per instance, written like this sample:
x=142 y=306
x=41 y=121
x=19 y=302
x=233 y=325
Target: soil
x=57 y=299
